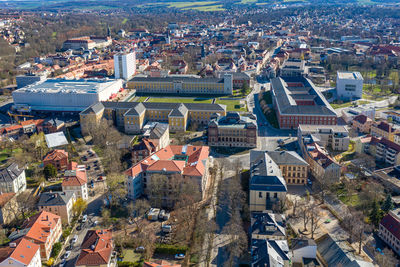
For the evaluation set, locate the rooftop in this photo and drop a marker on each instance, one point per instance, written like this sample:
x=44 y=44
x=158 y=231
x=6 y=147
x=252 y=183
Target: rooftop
x=348 y=75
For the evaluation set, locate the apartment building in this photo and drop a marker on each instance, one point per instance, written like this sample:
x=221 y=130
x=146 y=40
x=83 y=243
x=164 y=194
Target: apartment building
x=182 y=85
x=232 y=130
x=75 y=181
x=383 y=129
x=297 y=101
x=267 y=185
x=335 y=137
x=12 y=179
x=293 y=167
x=389 y=230
x=185 y=161
x=20 y=253
x=43 y=229
x=58 y=158
x=362 y=123
x=58 y=203
x=131 y=117
x=8 y=208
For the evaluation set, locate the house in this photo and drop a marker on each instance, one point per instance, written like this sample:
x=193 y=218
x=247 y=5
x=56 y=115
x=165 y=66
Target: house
x=293 y=167
x=160 y=263
x=269 y=253
x=334 y=252
x=267 y=185
x=20 y=253
x=185 y=161
x=43 y=229
x=58 y=158
x=12 y=179
x=75 y=181
x=383 y=129
x=142 y=150
x=389 y=230
x=8 y=208
x=58 y=203
x=232 y=130
x=96 y=249
x=362 y=123
x=335 y=137
x=267 y=225
x=304 y=251
x=179 y=67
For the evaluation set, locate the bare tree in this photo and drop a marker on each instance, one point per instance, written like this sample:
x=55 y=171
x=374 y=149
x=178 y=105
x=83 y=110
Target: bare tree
x=26 y=203
x=386 y=258
x=115 y=188
x=315 y=219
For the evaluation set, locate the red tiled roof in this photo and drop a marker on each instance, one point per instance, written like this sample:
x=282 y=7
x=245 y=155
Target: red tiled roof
x=40 y=225
x=361 y=118
x=56 y=154
x=392 y=225
x=5 y=197
x=24 y=251
x=96 y=248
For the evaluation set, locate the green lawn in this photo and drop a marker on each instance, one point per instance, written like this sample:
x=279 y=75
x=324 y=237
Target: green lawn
x=206 y=8
x=180 y=100
x=231 y=105
x=130 y=256
x=141 y=99
x=190 y=4
x=352 y=200
x=6 y=153
x=343 y=105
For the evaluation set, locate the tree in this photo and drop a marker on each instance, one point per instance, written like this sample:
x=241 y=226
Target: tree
x=106 y=216
x=116 y=188
x=315 y=219
x=359 y=230
x=376 y=214
x=305 y=214
x=388 y=204
x=26 y=204
x=386 y=258
x=79 y=207
x=50 y=171
x=245 y=88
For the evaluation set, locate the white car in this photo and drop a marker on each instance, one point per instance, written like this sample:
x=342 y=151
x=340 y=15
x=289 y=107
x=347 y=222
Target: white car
x=84 y=218
x=67 y=254
x=75 y=238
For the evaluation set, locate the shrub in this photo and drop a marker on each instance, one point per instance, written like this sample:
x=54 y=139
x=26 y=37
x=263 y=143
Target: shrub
x=56 y=249
x=125 y=264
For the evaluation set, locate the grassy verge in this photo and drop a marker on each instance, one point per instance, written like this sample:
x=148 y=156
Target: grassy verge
x=231 y=105
x=180 y=100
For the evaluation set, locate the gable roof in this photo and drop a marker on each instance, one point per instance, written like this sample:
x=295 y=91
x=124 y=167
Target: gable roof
x=38 y=226
x=96 y=248
x=392 y=224
x=54 y=198
x=23 y=252
x=75 y=175
x=10 y=173
x=56 y=154
x=287 y=157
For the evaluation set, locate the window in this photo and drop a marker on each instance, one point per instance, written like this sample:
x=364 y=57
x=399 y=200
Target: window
x=275 y=195
x=260 y=194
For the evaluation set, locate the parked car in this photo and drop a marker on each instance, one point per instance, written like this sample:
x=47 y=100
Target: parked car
x=166 y=228
x=74 y=239
x=62 y=263
x=140 y=249
x=67 y=254
x=161 y=215
x=79 y=227
x=84 y=218
x=179 y=256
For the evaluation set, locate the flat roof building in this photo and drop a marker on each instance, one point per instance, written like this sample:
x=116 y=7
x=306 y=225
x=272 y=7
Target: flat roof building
x=65 y=95
x=349 y=85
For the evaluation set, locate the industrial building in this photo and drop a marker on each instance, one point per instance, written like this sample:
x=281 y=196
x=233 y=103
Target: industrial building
x=183 y=85
x=62 y=95
x=349 y=85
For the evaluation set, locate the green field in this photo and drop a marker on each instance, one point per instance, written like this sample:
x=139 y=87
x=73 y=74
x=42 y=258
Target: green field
x=180 y=100
x=190 y=4
x=231 y=105
x=206 y=8
x=141 y=99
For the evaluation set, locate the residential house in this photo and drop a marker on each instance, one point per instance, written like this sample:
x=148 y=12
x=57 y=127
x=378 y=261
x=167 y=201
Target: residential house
x=389 y=230
x=58 y=158
x=96 y=249
x=13 y=131
x=185 y=161
x=142 y=150
x=383 y=129
x=362 y=123
x=293 y=167
x=232 y=130
x=8 y=208
x=269 y=253
x=75 y=181
x=304 y=252
x=267 y=185
x=12 y=179
x=43 y=229
x=20 y=253
x=267 y=225
x=58 y=203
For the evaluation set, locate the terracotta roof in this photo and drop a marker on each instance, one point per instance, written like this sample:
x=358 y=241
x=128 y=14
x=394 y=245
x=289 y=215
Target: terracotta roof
x=24 y=251
x=361 y=118
x=384 y=126
x=160 y=263
x=75 y=176
x=392 y=225
x=186 y=160
x=5 y=197
x=56 y=154
x=40 y=224
x=96 y=248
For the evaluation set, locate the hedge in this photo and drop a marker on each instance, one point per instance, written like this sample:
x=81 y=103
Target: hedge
x=125 y=264
x=170 y=249
x=56 y=249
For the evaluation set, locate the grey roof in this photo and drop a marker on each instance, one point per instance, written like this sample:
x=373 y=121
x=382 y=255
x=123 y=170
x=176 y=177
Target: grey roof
x=56 y=139
x=265 y=173
x=10 y=173
x=298 y=243
x=54 y=198
x=95 y=108
x=177 y=79
x=165 y=105
x=179 y=112
x=233 y=119
x=339 y=253
x=286 y=97
x=158 y=130
x=267 y=223
x=287 y=157
x=269 y=252
x=136 y=110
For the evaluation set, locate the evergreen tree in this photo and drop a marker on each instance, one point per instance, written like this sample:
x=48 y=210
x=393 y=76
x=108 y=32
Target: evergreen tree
x=388 y=204
x=50 y=171
x=376 y=214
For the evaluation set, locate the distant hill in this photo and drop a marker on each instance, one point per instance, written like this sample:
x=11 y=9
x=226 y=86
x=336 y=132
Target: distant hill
x=203 y=5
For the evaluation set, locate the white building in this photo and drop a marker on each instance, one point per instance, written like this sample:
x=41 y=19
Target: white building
x=24 y=80
x=65 y=95
x=21 y=253
x=75 y=181
x=12 y=179
x=124 y=65
x=349 y=85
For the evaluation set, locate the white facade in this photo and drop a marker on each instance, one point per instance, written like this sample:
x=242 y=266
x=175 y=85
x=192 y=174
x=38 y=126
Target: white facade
x=125 y=65
x=349 y=85
x=17 y=185
x=80 y=191
x=65 y=95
